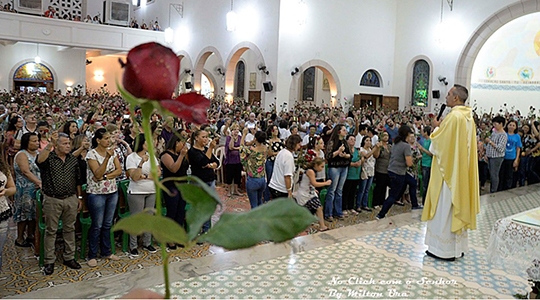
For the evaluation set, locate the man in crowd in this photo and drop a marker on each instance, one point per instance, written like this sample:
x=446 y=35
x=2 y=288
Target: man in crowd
x=62 y=198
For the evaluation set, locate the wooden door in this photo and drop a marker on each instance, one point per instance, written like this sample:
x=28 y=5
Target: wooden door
x=390 y=102
x=254 y=96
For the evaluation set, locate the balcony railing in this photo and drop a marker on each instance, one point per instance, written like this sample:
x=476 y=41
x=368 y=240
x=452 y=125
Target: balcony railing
x=25 y=28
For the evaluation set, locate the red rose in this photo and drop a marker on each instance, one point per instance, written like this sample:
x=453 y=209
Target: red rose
x=190 y=107
x=151 y=71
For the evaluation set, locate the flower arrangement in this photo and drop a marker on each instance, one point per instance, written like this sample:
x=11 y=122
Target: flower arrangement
x=151 y=74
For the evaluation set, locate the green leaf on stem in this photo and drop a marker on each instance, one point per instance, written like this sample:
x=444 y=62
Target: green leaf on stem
x=163 y=229
x=203 y=201
x=279 y=220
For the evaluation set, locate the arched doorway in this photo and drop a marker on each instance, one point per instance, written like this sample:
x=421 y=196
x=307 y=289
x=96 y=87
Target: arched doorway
x=210 y=64
x=33 y=77
x=316 y=78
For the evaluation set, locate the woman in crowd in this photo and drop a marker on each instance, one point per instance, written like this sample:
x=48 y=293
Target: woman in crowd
x=174 y=164
x=327 y=130
x=141 y=191
x=103 y=169
x=130 y=133
x=71 y=129
x=28 y=180
x=281 y=183
x=495 y=151
x=411 y=177
x=400 y=159
x=353 y=178
x=274 y=146
x=382 y=181
x=338 y=155
x=427 y=157
x=367 y=150
x=81 y=145
x=13 y=137
x=121 y=147
x=253 y=159
x=233 y=166
x=512 y=155
x=158 y=140
x=306 y=194
x=43 y=134
x=529 y=156
x=203 y=162
x=7 y=189
x=315 y=148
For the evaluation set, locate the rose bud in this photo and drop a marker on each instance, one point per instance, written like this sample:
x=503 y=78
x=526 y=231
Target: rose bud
x=151 y=72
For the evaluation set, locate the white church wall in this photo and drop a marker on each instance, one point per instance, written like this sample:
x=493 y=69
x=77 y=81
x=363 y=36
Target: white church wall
x=417 y=34
x=351 y=36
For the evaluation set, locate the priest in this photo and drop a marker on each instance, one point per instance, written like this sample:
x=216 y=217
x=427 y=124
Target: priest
x=452 y=200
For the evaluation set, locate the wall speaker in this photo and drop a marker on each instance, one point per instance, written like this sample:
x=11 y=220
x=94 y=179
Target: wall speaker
x=188 y=85
x=436 y=94
x=268 y=87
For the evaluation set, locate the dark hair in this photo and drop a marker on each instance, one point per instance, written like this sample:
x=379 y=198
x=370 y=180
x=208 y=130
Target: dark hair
x=154 y=125
x=67 y=125
x=269 y=131
x=499 y=119
x=363 y=142
x=283 y=124
x=25 y=140
x=292 y=141
x=260 y=137
x=313 y=141
x=427 y=130
x=194 y=135
x=403 y=133
x=334 y=136
x=12 y=122
x=43 y=123
x=362 y=127
x=139 y=142
x=171 y=144
x=512 y=121
x=98 y=135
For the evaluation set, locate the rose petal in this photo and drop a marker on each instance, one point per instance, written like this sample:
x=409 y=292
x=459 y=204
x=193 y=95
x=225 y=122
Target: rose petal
x=191 y=107
x=151 y=72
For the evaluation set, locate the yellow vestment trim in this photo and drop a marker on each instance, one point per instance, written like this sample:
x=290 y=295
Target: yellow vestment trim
x=455 y=161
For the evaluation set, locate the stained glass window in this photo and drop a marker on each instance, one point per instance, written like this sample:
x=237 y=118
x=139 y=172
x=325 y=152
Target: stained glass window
x=420 y=83
x=308 y=84
x=240 y=79
x=370 y=78
x=33 y=72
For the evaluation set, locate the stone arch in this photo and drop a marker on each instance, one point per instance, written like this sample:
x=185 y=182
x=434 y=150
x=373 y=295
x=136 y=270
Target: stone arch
x=409 y=87
x=186 y=64
x=233 y=59
x=328 y=71
x=199 y=67
x=484 y=31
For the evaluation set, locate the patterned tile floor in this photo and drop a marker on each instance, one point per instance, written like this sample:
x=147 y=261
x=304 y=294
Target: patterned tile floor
x=389 y=264
x=371 y=260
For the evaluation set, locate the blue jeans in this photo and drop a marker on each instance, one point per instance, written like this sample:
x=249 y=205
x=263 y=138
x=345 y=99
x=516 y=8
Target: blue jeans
x=332 y=205
x=269 y=166
x=413 y=184
x=397 y=182
x=101 y=208
x=494 y=168
x=255 y=188
x=362 y=195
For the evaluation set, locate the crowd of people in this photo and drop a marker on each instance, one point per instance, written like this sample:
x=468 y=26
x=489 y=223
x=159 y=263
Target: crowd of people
x=329 y=160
